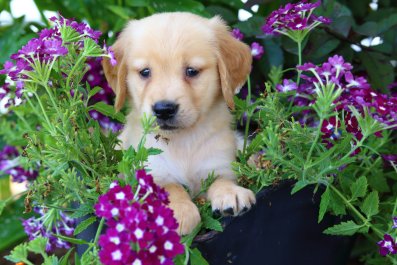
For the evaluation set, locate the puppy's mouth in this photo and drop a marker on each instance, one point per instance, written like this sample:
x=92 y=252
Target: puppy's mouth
x=167 y=125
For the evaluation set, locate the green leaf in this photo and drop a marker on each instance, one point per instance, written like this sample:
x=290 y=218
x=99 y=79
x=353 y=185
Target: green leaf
x=38 y=245
x=211 y=223
x=84 y=224
x=108 y=110
x=325 y=198
x=119 y=11
x=83 y=210
x=343 y=229
x=337 y=204
x=94 y=91
x=299 y=185
x=359 y=188
x=65 y=259
x=379 y=69
x=72 y=240
x=3 y=204
x=19 y=253
x=154 y=151
x=196 y=258
x=370 y=205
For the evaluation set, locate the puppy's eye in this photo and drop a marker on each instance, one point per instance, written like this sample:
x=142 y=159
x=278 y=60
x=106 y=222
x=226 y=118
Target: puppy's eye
x=145 y=73
x=191 y=72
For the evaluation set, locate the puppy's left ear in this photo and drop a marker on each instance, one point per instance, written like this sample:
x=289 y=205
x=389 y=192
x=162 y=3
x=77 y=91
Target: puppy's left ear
x=234 y=60
x=117 y=75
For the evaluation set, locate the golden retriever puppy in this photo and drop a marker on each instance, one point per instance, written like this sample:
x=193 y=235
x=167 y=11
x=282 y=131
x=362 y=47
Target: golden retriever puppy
x=184 y=70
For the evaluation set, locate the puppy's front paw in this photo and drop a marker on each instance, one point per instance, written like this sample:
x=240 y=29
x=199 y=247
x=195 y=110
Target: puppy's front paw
x=186 y=214
x=227 y=198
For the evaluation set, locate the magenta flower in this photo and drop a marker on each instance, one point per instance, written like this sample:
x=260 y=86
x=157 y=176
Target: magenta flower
x=387 y=245
x=293 y=17
x=140 y=231
x=237 y=34
x=257 y=50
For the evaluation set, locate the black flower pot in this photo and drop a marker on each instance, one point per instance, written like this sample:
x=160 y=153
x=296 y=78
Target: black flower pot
x=281 y=229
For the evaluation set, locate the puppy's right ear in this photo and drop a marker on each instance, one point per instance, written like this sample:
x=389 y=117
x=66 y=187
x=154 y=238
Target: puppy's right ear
x=117 y=75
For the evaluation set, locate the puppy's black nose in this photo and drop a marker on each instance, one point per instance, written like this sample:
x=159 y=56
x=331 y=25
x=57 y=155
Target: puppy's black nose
x=164 y=109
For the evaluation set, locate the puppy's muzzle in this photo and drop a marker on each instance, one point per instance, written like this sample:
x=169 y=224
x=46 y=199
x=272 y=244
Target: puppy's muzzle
x=165 y=112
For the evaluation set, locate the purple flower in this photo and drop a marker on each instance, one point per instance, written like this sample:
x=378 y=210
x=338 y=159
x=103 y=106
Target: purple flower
x=110 y=53
x=34 y=227
x=54 y=47
x=287 y=85
x=237 y=34
x=257 y=50
x=387 y=245
x=9 y=165
x=293 y=17
x=394 y=222
x=81 y=28
x=140 y=231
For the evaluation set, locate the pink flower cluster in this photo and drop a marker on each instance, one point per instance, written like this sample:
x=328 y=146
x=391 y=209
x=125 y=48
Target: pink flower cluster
x=141 y=228
x=297 y=16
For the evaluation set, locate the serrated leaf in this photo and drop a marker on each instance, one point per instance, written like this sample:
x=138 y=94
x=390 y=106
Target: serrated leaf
x=325 y=198
x=83 y=210
x=343 y=229
x=359 y=188
x=210 y=223
x=299 y=185
x=84 y=224
x=337 y=204
x=370 y=205
x=38 y=245
x=19 y=253
x=196 y=258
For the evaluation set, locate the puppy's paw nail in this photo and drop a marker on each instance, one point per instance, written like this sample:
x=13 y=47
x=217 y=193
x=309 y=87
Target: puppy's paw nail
x=228 y=211
x=230 y=198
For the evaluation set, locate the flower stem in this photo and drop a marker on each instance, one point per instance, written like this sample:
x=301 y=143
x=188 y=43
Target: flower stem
x=99 y=230
x=299 y=60
x=44 y=113
x=247 y=124
x=355 y=211
x=73 y=70
x=309 y=155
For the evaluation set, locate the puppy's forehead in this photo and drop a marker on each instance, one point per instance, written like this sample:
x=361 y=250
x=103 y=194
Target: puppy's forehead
x=167 y=34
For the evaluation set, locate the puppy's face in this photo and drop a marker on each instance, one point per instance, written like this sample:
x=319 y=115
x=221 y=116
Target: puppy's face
x=176 y=66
